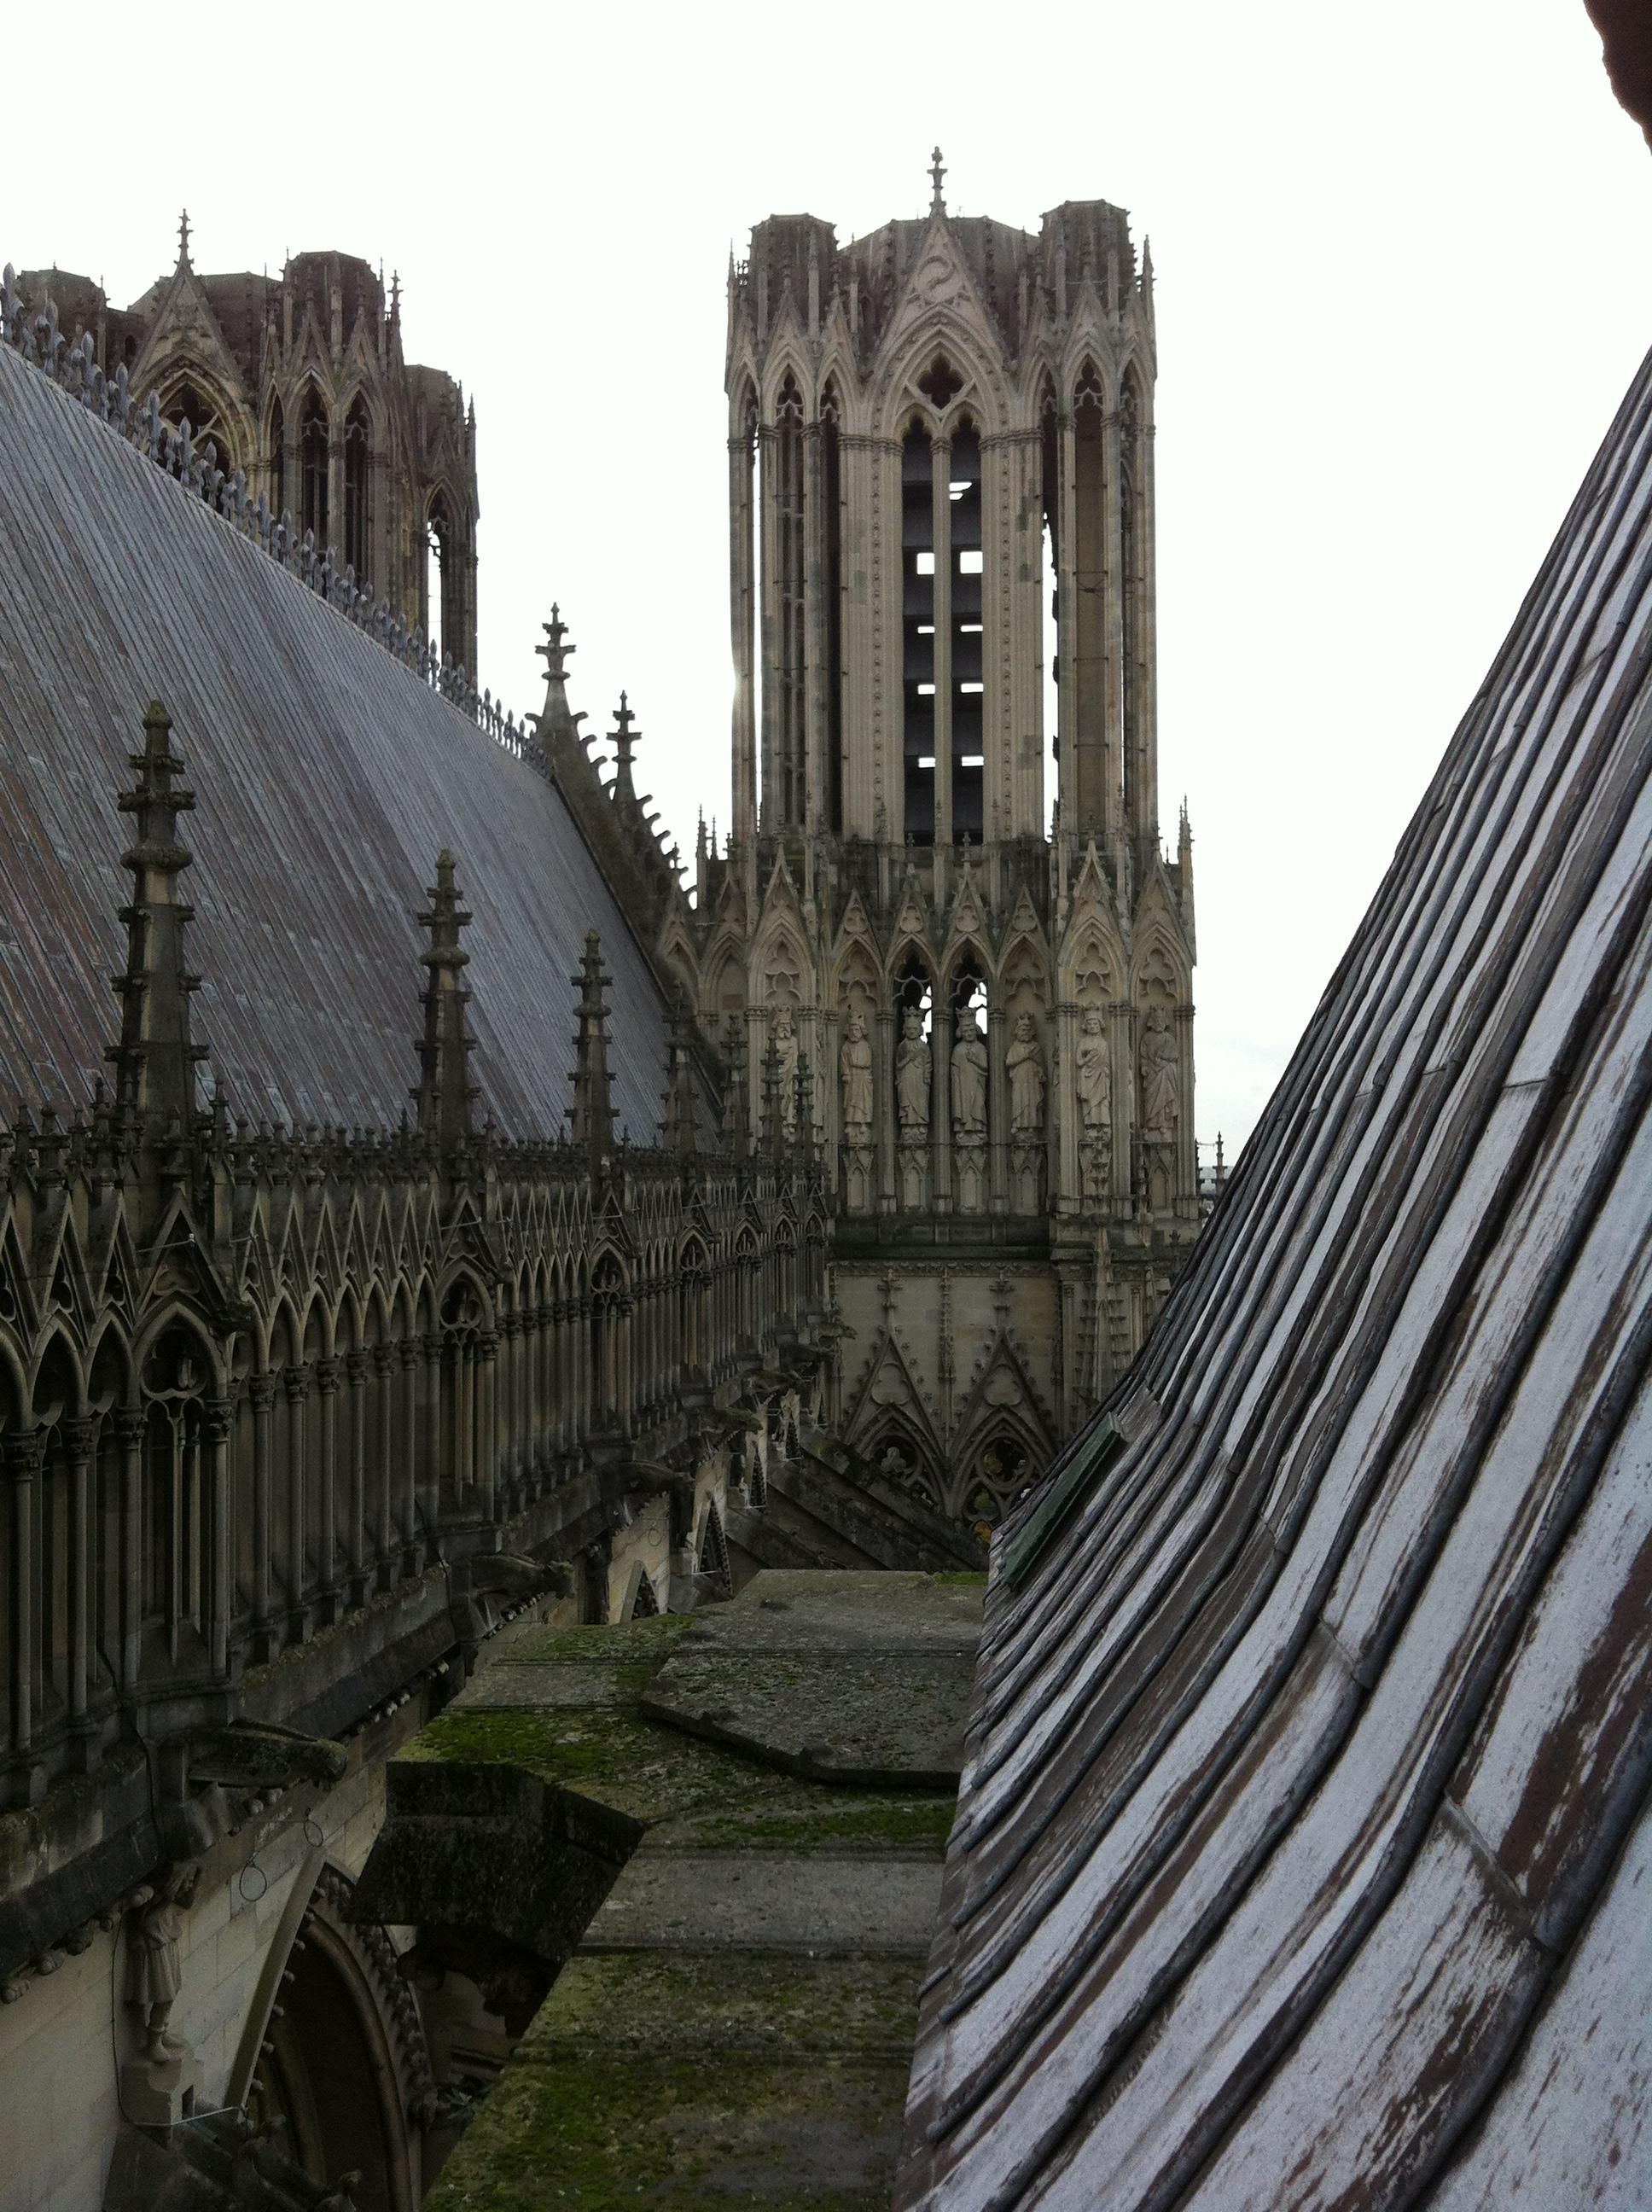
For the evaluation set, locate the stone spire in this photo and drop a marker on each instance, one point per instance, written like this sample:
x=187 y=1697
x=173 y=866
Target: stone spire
x=183 y=239
x=593 y=1111
x=937 y=170
x=737 y=1104
x=679 y=1081
x=625 y=740
x=774 y=1125
x=154 y=1061
x=445 y=1091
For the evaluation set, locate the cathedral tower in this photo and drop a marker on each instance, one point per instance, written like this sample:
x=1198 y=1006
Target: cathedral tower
x=942 y=515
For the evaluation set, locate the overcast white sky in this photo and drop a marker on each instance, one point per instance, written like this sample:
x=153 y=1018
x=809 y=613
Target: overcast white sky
x=1402 y=282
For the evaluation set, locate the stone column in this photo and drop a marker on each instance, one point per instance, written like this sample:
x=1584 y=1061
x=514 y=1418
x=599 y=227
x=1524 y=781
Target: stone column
x=129 y=1427
x=1067 y=1181
x=884 y=1105
x=217 y=1426
x=940 y=1093
x=464 y=1392
x=80 y=1441
x=997 y=1107
x=487 y=1420
x=261 y=1392
x=25 y=1454
x=430 y=1546
x=295 y=1382
x=507 y=1390
x=363 y=1392
x=407 y=1354
x=328 y=1376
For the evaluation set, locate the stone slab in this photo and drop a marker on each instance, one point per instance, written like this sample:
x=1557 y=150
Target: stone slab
x=649 y=2004
x=895 y=1718
x=547 y=1685
x=694 y=2134
x=770 y=1902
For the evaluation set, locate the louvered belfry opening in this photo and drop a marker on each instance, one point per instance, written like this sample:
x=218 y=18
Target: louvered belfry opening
x=918 y=630
x=968 y=560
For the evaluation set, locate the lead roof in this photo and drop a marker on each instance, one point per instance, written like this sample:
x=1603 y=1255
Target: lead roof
x=328 y=777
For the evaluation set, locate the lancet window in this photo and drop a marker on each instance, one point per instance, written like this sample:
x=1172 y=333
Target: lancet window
x=917 y=623
x=964 y=515
x=312 y=461
x=357 y=454
x=788 y=741
x=831 y=498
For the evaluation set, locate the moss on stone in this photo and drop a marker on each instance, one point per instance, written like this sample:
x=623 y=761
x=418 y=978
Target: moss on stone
x=696 y=2136
x=712 y=1797
x=650 y=2004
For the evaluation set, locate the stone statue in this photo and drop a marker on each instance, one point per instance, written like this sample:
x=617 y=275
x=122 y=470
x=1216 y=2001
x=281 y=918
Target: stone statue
x=855 y=1061
x=969 y=1079
x=1094 y=1071
x=784 y=1037
x=911 y=1077
x=1161 y=1078
x=153 y=1970
x=1025 y=1063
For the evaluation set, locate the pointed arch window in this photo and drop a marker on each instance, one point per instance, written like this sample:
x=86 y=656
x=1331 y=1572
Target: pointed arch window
x=1129 y=492
x=967 y=719
x=357 y=455
x=277 y=460
x=831 y=501
x=788 y=741
x=313 y=437
x=918 y=626
x=438 y=543
x=1086 y=639
x=189 y=404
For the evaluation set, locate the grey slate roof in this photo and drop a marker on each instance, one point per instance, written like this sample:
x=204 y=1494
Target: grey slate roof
x=328 y=777
x=1304 y=1856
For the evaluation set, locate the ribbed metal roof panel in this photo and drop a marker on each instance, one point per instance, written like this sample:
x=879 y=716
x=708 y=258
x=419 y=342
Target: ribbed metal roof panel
x=328 y=777
x=1303 y=1756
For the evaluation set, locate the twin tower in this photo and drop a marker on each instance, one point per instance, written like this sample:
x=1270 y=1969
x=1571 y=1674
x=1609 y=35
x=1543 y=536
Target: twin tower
x=946 y=888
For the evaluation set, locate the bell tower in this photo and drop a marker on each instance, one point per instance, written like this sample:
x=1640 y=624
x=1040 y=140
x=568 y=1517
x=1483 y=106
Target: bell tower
x=955 y=904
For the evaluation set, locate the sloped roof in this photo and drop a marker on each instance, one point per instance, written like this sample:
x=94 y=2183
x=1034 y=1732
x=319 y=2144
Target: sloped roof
x=1302 y=1856
x=328 y=777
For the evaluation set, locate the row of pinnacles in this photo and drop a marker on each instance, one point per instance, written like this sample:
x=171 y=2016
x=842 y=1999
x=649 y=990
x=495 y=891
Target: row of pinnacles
x=253 y=1379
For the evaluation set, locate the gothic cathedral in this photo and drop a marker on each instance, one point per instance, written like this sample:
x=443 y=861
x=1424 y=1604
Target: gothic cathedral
x=975 y=990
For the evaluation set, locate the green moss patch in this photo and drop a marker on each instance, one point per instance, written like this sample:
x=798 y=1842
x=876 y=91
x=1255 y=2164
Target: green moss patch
x=650 y=2005
x=695 y=2135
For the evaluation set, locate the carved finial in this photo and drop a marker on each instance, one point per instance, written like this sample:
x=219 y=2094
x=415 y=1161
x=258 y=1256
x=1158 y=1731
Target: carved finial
x=183 y=239
x=593 y=1102
x=937 y=170
x=679 y=1082
x=444 y=1091
x=154 y=1061
x=625 y=737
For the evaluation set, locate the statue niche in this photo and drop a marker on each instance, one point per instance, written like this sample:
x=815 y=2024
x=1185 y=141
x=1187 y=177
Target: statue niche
x=1024 y=1066
x=969 y=1102
x=1093 y=1083
x=912 y=1081
x=1159 y=1073
x=783 y=1036
x=854 y=1075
